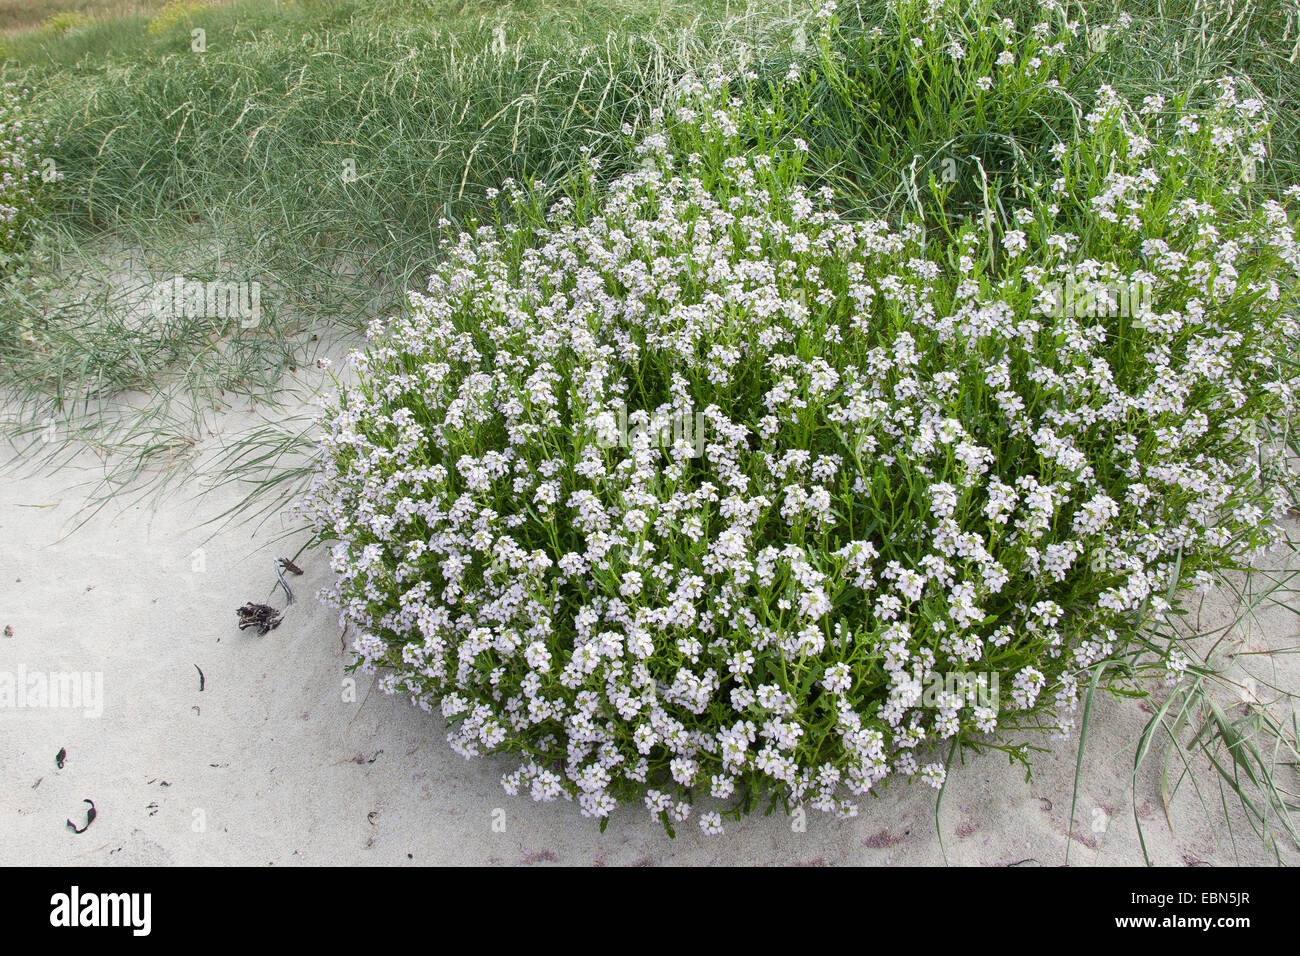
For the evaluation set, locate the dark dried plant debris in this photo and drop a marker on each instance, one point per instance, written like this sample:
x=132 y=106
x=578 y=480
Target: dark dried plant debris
x=261 y=616
x=90 y=818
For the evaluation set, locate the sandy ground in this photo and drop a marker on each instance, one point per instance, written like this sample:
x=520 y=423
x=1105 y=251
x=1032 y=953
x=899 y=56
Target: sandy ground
x=271 y=763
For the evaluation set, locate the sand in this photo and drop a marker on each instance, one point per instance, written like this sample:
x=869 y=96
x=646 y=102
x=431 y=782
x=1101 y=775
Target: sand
x=272 y=762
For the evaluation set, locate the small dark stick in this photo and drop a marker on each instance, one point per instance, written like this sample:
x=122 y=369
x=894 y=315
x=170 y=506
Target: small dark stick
x=290 y=566
x=90 y=818
x=200 y=670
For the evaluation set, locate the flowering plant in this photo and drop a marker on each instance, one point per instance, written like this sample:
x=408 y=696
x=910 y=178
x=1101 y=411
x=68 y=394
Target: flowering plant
x=688 y=487
x=20 y=176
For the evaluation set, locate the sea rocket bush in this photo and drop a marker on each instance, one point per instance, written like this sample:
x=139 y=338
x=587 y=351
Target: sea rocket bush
x=916 y=460
x=20 y=177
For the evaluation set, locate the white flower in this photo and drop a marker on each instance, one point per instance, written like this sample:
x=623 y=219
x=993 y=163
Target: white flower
x=711 y=822
x=911 y=459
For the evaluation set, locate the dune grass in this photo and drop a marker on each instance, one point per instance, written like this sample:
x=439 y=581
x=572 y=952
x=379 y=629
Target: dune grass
x=898 y=114
x=318 y=149
x=19 y=16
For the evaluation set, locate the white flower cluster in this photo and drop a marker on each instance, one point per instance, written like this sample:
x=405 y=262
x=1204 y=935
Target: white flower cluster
x=20 y=161
x=910 y=467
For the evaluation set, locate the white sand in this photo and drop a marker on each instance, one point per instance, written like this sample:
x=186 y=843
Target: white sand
x=269 y=765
